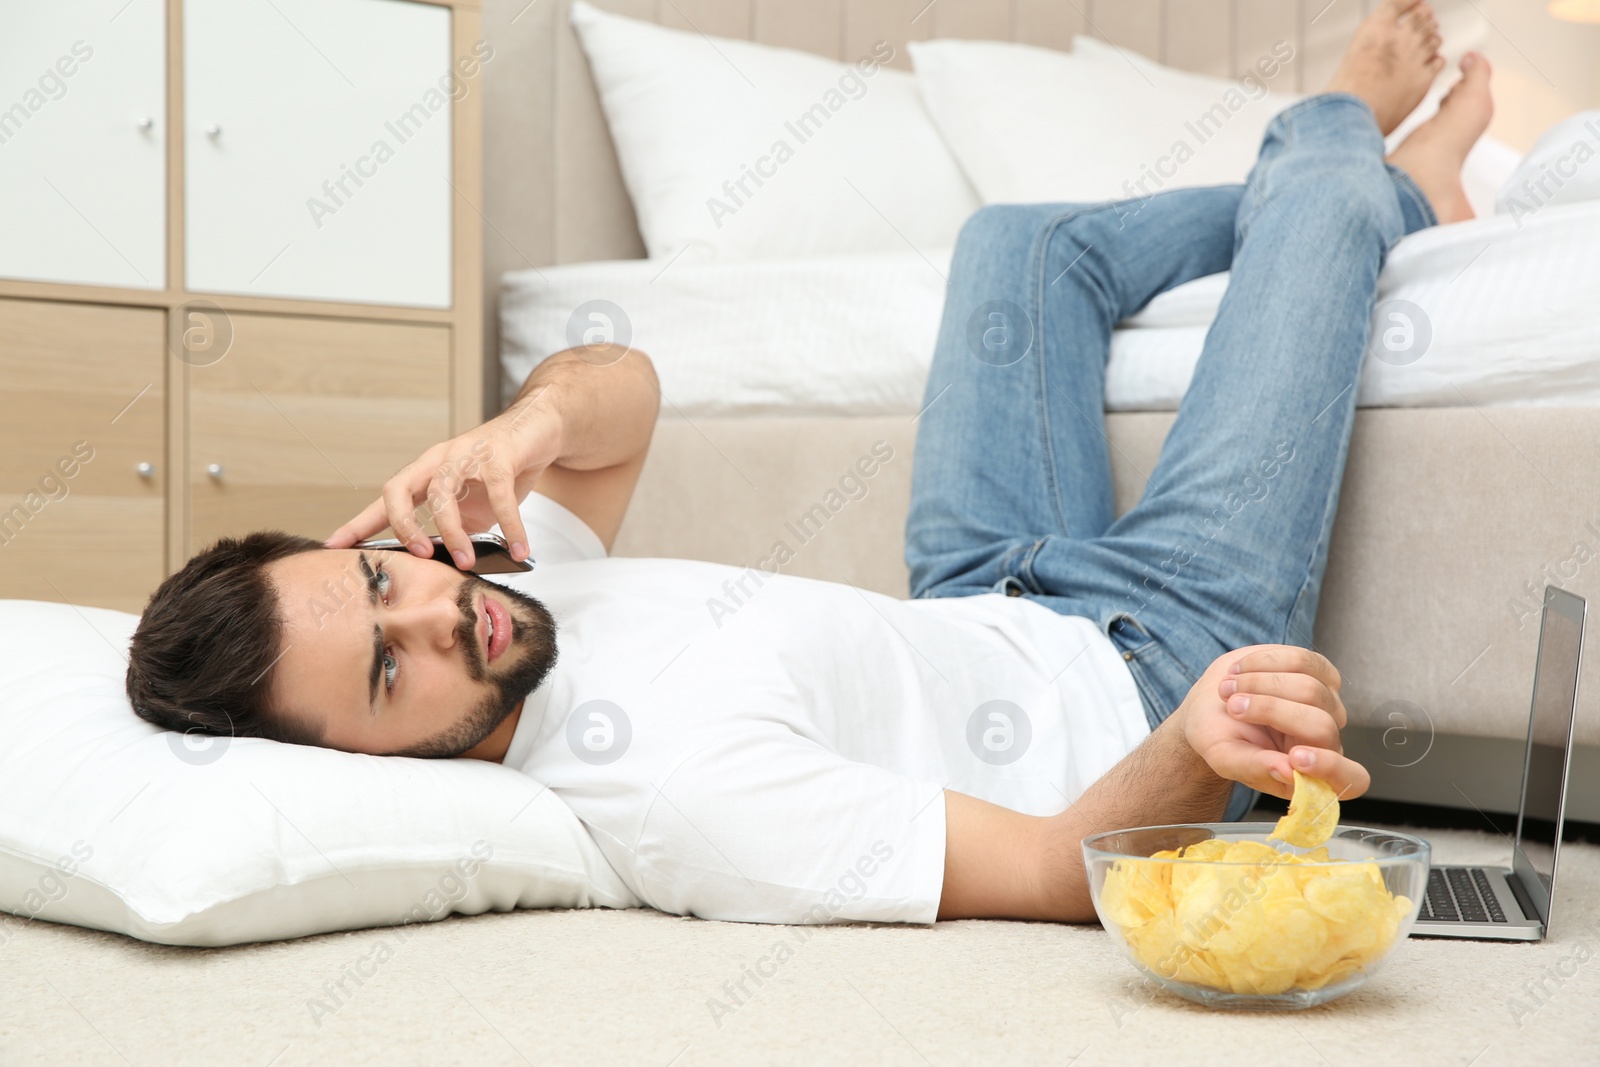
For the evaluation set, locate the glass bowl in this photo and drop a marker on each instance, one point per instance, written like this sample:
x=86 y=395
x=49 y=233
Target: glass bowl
x=1269 y=926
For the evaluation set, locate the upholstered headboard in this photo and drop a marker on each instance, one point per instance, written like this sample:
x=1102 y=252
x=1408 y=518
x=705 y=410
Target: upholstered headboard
x=553 y=192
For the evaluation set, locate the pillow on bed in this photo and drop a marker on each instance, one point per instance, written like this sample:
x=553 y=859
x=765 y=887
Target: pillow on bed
x=737 y=150
x=821 y=335
x=111 y=823
x=1034 y=125
x=1563 y=167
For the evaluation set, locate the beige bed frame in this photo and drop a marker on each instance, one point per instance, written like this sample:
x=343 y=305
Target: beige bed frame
x=1452 y=518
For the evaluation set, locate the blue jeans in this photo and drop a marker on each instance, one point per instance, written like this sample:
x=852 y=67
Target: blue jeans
x=1012 y=488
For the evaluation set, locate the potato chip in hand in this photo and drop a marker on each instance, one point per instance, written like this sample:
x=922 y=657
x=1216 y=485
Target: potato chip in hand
x=1313 y=813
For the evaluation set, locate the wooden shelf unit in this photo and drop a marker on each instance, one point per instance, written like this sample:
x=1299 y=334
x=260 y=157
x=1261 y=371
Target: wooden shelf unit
x=313 y=406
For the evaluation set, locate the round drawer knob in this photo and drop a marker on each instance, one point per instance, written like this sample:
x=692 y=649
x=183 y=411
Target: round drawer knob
x=146 y=470
x=215 y=470
x=213 y=131
x=145 y=122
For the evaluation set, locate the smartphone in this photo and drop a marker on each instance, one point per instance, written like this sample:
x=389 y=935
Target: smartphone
x=492 y=551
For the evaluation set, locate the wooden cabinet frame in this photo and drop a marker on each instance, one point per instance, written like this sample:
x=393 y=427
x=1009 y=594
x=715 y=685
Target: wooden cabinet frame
x=464 y=317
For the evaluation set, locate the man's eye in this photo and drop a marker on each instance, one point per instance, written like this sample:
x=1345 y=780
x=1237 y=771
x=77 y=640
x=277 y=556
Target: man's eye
x=390 y=666
x=383 y=583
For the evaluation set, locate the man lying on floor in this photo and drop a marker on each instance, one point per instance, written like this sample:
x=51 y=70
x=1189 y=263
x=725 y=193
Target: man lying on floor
x=825 y=753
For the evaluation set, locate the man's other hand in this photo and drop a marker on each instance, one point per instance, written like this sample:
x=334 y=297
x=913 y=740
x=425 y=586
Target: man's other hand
x=1262 y=712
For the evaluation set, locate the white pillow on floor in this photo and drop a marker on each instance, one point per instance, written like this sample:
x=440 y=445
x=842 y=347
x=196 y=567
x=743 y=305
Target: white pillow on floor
x=737 y=150
x=109 y=822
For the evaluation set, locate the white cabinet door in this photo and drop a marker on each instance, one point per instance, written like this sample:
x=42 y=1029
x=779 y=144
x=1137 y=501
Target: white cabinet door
x=317 y=149
x=83 y=142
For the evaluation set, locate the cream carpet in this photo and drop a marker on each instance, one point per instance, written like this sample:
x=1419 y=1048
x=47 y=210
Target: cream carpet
x=639 y=987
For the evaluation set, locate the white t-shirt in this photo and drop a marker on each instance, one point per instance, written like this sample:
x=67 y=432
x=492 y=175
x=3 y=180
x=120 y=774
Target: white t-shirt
x=758 y=747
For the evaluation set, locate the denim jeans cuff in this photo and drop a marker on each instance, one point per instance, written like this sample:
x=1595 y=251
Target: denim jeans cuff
x=1414 y=206
x=1331 y=101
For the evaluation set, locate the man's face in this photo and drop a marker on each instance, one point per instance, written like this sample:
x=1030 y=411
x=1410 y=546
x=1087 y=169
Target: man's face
x=391 y=654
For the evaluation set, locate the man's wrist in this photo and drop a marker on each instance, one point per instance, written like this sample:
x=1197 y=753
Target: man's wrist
x=1205 y=786
x=538 y=412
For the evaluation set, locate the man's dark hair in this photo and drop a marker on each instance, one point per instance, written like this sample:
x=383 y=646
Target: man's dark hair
x=208 y=638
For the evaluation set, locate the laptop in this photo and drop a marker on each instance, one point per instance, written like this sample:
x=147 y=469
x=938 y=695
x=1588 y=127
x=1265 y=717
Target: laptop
x=1493 y=903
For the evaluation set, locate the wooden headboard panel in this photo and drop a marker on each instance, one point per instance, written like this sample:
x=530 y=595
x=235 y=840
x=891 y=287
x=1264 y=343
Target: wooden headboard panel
x=553 y=192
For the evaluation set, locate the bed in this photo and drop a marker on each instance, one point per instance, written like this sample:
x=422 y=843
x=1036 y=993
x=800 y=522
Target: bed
x=1471 y=481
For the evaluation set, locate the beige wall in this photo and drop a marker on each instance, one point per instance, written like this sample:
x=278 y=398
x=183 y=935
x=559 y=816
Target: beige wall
x=1545 y=68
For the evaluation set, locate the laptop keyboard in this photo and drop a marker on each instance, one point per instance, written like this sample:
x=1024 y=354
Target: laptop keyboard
x=1460 y=894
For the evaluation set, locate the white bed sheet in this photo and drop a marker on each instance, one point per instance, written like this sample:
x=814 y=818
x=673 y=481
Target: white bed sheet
x=1511 y=306
x=842 y=334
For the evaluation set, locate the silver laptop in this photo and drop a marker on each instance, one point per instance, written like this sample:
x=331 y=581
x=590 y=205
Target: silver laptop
x=1514 y=905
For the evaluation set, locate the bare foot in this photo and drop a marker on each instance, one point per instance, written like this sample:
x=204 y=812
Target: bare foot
x=1392 y=60
x=1435 y=151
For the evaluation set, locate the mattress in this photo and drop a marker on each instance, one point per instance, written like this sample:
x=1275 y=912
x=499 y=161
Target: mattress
x=1493 y=312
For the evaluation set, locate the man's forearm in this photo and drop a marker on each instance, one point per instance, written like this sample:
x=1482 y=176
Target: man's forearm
x=606 y=401
x=1161 y=781
x=1002 y=864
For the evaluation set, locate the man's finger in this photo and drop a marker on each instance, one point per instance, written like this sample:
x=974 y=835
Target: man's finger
x=447 y=518
x=1263 y=769
x=503 y=500
x=1286 y=658
x=1348 y=778
x=1302 y=722
x=1292 y=658
x=372 y=520
x=1301 y=688
x=399 y=503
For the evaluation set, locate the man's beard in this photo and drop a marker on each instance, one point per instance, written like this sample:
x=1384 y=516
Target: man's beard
x=532 y=652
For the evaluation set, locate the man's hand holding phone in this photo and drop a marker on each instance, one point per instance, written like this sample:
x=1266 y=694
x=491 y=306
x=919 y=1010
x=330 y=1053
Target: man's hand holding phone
x=467 y=484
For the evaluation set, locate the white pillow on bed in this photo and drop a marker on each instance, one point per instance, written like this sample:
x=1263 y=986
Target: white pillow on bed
x=111 y=823
x=1100 y=123
x=1563 y=167
x=693 y=117
x=822 y=335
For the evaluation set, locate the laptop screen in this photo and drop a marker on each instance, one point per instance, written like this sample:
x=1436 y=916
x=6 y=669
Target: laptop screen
x=1555 y=686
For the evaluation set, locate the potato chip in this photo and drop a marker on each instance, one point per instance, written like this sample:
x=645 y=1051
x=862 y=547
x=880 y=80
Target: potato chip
x=1245 y=977
x=1251 y=852
x=1155 y=943
x=1136 y=892
x=1200 y=904
x=1343 y=894
x=1288 y=933
x=1200 y=968
x=1212 y=848
x=1334 y=973
x=1313 y=813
